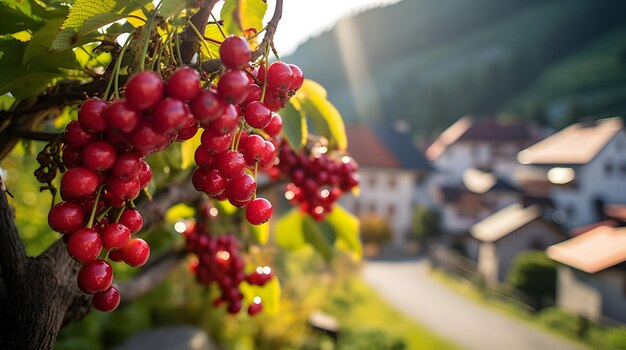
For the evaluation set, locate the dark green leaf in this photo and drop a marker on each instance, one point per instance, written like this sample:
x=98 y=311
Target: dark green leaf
x=15 y=19
x=31 y=84
x=37 y=55
x=320 y=236
x=294 y=125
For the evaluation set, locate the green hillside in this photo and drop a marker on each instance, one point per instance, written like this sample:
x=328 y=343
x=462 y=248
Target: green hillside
x=432 y=61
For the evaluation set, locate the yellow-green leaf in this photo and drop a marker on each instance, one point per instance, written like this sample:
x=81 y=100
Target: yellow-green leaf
x=269 y=294
x=188 y=150
x=346 y=227
x=178 y=212
x=323 y=114
x=29 y=85
x=261 y=232
x=239 y=15
x=211 y=49
x=288 y=230
x=320 y=236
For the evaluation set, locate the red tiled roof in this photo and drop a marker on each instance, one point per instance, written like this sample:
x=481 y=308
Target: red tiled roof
x=596 y=250
x=367 y=149
x=576 y=144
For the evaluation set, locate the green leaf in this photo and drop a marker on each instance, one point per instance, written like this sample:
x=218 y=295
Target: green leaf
x=288 y=230
x=188 y=150
x=239 y=15
x=261 y=232
x=170 y=8
x=346 y=228
x=320 y=236
x=178 y=212
x=294 y=125
x=31 y=84
x=225 y=207
x=37 y=55
x=88 y=15
x=11 y=54
x=325 y=117
x=211 y=49
x=15 y=19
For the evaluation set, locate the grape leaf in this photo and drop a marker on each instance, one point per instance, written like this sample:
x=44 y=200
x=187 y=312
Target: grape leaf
x=295 y=128
x=239 y=15
x=322 y=113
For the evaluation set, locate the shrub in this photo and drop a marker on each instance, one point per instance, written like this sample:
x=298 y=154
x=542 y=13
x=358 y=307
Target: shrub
x=534 y=273
x=426 y=223
x=375 y=229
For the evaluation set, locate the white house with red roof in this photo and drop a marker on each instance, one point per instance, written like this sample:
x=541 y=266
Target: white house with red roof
x=592 y=276
x=580 y=168
x=391 y=171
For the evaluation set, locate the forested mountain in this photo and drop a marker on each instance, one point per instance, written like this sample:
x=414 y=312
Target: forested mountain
x=432 y=61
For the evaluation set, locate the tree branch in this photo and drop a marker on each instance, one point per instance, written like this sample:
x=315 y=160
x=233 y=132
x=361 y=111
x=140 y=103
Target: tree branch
x=12 y=252
x=270 y=30
x=153 y=211
x=151 y=275
x=190 y=44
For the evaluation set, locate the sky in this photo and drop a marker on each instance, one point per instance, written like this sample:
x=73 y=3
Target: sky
x=303 y=19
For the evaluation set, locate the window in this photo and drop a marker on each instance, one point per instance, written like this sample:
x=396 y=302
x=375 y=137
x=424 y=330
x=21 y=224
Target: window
x=391 y=210
x=372 y=180
x=393 y=181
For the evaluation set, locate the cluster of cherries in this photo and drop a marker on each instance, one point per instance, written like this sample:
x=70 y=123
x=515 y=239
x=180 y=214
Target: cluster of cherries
x=316 y=182
x=229 y=114
x=104 y=151
x=218 y=261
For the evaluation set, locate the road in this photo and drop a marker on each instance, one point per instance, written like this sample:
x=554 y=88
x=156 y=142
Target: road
x=408 y=286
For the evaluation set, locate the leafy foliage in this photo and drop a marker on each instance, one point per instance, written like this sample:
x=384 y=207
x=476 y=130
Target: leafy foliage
x=534 y=273
x=240 y=15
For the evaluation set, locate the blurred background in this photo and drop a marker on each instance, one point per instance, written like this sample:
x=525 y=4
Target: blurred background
x=492 y=200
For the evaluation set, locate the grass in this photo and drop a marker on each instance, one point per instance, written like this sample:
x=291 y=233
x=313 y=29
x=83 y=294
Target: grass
x=359 y=308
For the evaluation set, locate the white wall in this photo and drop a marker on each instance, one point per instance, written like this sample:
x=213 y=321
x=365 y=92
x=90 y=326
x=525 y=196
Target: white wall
x=593 y=181
x=389 y=193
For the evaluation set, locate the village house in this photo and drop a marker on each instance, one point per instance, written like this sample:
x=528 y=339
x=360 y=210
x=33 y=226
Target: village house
x=498 y=239
x=475 y=162
x=392 y=173
x=580 y=169
x=592 y=278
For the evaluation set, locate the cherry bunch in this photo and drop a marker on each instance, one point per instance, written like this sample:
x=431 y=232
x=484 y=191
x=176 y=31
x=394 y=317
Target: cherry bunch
x=218 y=261
x=316 y=182
x=104 y=151
x=229 y=115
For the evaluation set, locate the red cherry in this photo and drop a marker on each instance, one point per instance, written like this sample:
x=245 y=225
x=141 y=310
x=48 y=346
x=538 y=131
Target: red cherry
x=259 y=211
x=126 y=166
x=122 y=116
x=66 y=217
x=227 y=122
x=215 y=143
x=255 y=308
x=274 y=101
x=169 y=115
x=126 y=190
x=257 y=115
x=206 y=107
x=118 y=139
x=184 y=84
x=115 y=236
x=77 y=137
x=279 y=76
x=115 y=255
x=253 y=148
x=78 y=183
x=233 y=87
x=234 y=307
x=106 y=301
x=254 y=94
x=144 y=90
x=203 y=157
x=90 y=115
x=136 y=252
x=84 y=245
x=197 y=178
x=231 y=164
x=95 y=276
x=275 y=126
x=144 y=175
x=145 y=139
x=213 y=183
x=71 y=157
x=132 y=219
x=242 y=188
x=298 y=77
x=235 y=52
x=99 y=156
x=270 y=156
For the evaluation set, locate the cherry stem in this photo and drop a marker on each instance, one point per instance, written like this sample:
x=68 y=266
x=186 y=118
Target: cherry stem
x=115 y=73
x=92 y=216
x=239 y=137
x=132 y=204
x=201 y=37
x=104 y=212
x=266 y=67
x=179 y=56
x=119 y=215
x=257 y=33
x=146 y=41
x=219 y=26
